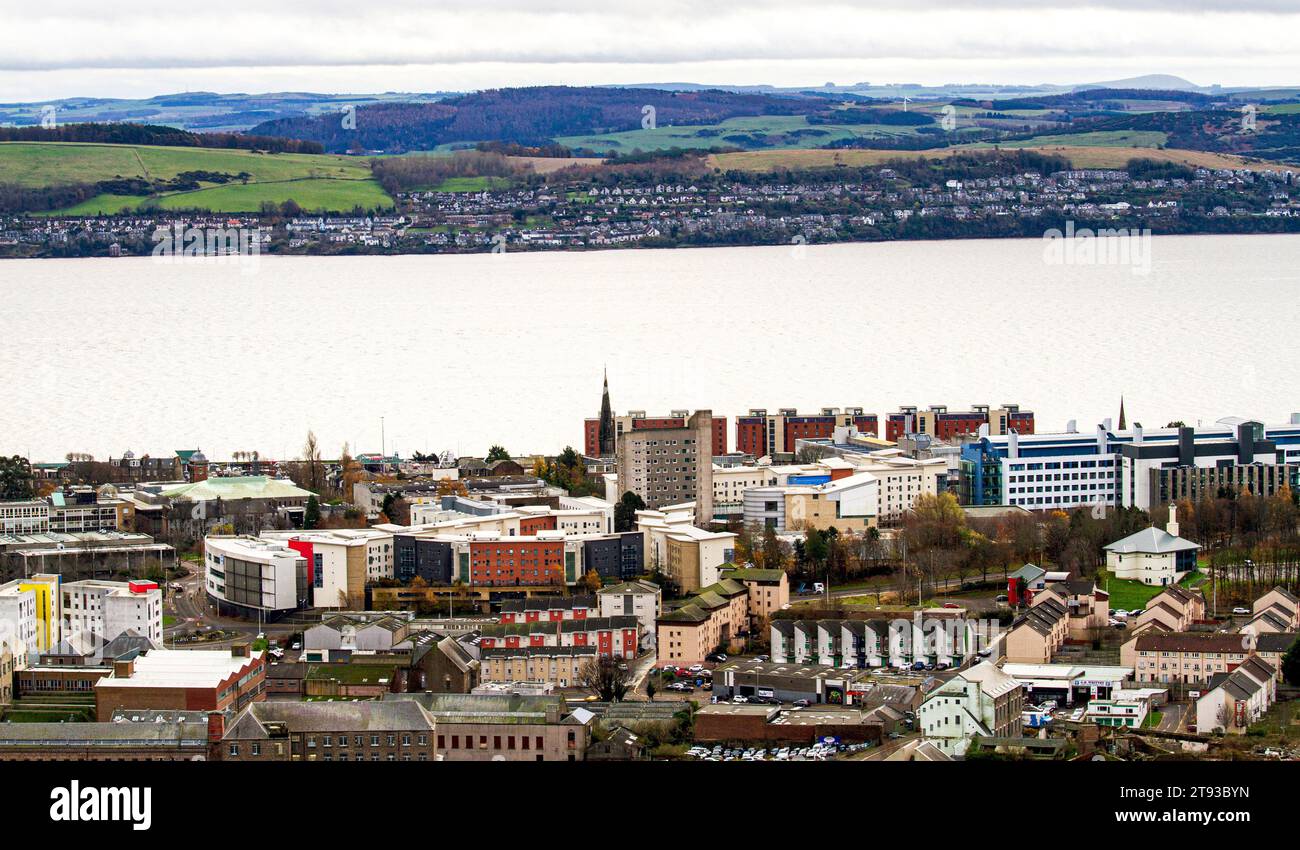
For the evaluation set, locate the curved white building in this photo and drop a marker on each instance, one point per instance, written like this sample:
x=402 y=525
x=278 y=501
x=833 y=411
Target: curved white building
x=248 y=577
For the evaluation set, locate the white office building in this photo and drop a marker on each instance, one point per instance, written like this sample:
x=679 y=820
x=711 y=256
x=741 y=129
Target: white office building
x=248 y=577
x=18 y=622
x=109 y=608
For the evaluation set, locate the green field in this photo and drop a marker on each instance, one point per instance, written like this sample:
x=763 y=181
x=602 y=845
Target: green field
x=313 y=181
x=763 y=131
x=471 y=184
x=1103 y=139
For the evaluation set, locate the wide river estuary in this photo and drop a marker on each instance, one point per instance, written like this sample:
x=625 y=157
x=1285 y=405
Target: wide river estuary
x=458 y=352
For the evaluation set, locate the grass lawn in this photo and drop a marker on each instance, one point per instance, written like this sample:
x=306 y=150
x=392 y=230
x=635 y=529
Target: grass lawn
x=1153 y=719
x=1126 y=594
x=169 y=620
x=1134 y=594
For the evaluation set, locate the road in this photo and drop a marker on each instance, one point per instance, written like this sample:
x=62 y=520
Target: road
x=193 y=613
x=1171 y=719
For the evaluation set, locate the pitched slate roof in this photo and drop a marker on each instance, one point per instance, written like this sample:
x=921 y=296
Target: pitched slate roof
x=547 y=603
x=629 y=587
x=754 y=574
x=1029 y=572
x=359 y=716
x=544 y=651
x=1151 y=540
x=1189 y=642
x=1275 y=641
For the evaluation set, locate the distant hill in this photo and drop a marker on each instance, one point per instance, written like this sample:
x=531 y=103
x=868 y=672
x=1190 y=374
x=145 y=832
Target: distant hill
x=199 y=111
x=1167 y=82
x=527 y=116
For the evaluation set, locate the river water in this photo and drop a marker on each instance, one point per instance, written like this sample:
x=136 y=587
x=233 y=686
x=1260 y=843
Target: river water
x=459 y=352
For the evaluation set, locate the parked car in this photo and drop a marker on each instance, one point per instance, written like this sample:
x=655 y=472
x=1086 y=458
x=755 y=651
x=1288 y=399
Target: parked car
x=1240 y=610
x=951 y=605
x=1001 y=597
x=739 y=699
x=801 y=703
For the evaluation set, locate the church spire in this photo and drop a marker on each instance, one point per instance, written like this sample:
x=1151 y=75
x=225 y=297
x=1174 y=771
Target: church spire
x=1123 y=423
x=606 y=421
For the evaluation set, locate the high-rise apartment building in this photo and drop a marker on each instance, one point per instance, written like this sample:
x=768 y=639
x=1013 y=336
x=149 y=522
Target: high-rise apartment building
x=669 y=465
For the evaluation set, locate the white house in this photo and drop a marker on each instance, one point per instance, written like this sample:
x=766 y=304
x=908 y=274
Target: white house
x=1237 y=699
x=640 y=599
x=1152 y=556
x=980 y=701
x=1126 y=707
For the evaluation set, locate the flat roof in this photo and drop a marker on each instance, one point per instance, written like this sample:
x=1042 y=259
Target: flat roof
x=176 y=668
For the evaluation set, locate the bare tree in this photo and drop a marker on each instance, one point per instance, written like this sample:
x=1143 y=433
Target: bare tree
x=605 y=677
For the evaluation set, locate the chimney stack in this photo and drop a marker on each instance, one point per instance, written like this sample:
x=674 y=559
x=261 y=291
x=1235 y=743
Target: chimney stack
x=1172 y=525
x=216 y=727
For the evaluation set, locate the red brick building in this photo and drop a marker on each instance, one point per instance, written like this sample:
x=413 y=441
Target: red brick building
x=949 y=425
x=609 y=635
x=547 y=609
x=515 y=561
x=762 y=433
x=637 y=420
x=528 y=526
x=187 y=680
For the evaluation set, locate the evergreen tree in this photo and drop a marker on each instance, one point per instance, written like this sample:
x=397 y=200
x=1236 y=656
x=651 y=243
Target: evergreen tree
x=1291 y=664
x=311 y=518
x=625 y=511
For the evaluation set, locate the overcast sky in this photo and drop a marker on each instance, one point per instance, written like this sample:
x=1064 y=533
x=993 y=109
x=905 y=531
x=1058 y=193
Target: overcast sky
x=128 y=48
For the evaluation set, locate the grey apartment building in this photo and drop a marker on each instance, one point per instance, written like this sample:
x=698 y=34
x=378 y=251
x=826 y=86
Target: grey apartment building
x=668 y=466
